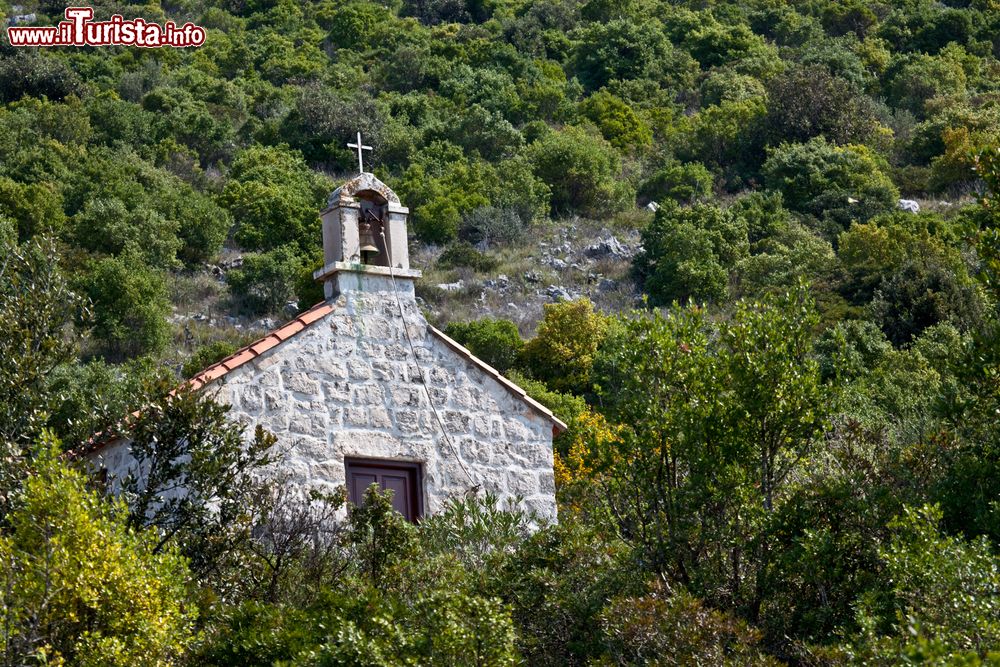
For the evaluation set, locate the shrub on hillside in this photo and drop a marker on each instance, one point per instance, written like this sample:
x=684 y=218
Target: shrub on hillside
x=837 y=183
x=495 y=341
x=130 y=306
x=582 y=171
x=688 y=253
x=77 y=584
x=266 y=281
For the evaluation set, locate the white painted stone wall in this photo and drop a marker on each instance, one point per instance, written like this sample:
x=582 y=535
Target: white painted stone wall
x=349 y=386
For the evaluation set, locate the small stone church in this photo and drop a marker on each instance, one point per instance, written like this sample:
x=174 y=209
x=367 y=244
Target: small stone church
x=361 y=390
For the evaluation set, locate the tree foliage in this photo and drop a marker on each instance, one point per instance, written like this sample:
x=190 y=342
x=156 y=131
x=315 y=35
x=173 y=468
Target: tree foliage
x=79 y=586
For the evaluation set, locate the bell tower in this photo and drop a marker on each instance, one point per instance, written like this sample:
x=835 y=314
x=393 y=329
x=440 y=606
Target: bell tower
x=364 y=234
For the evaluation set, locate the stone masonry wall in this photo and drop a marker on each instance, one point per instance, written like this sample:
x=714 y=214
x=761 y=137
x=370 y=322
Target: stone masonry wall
x=349 y=386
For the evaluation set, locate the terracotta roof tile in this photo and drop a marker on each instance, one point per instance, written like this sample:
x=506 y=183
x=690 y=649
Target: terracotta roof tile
x=314 y=314
x=289 y=330
x=212 y=373
x=239 y=358
x=265 y=344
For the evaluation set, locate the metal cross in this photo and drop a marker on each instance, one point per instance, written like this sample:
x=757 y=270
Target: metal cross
x=360 y=147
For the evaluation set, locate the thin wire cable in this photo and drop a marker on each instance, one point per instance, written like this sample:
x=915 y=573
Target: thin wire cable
x=420 y=370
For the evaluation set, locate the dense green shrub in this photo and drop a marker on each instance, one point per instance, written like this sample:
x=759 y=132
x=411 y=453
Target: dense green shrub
x=464 y=254
x=441 y=186
x=683 y=183
x=581 y=170
x=206 y=355
x=688 y=253
x=804 y=102
x=562 y=352
x=841 y=184
x=643 y=629
x=79 y=585
x=617 y=121
x=628 y=49
x=274 y=198
x=266 y=281
x=495 y=341
x=130 y=306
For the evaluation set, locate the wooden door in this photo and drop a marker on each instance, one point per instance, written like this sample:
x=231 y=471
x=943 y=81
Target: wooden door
x=400 y=477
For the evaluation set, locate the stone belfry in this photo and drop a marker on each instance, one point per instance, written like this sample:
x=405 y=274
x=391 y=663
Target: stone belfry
x=364 y=213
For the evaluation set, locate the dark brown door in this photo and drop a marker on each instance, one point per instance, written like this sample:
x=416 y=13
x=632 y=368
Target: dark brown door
x=400 y=477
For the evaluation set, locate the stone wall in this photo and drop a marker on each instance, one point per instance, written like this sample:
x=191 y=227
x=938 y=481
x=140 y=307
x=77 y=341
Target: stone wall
x=349 y=386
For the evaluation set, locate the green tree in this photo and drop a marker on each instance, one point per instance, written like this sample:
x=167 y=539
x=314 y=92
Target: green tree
x=715 y=420
x=184 y=439
x=677 y=629
x=628 y=49
x=804 y=102
x=266 y=281
x=562 y=352
x=130 y=306
x=441 y=185
x=109 y=226
x=78 y=585
x=37 y=310
x=617 y=121
x=274 y=198
x=36 y=207
x=684 y=183
x=840 y=184
x=917 y=78
x=581 y=170
x=942 y=608
x=688 y=253
x=495 y=341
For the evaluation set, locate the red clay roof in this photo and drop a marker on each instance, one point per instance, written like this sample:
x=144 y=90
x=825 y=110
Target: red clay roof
x=259 y=347
x=281 y=334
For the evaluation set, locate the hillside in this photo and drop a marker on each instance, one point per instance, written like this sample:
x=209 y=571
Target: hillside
x=747 y=250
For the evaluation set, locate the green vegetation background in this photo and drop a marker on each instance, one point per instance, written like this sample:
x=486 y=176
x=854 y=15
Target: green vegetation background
x=783 y=444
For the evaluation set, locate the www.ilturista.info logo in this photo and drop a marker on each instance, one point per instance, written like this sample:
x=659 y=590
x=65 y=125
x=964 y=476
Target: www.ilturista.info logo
x=79 y=30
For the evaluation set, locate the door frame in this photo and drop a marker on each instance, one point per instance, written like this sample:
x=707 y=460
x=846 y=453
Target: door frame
x=414 y=467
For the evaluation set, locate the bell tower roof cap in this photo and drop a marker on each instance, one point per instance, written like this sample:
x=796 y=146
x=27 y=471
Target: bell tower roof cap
x=361 y=183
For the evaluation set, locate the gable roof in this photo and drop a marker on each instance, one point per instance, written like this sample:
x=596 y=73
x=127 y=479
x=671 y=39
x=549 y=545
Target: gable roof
x=255 y=349
x=259 y=347
x=558 y=425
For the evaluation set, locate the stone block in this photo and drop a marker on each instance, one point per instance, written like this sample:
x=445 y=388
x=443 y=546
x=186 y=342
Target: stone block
x=355 y=416
x=546 y=482
x=456 y=422
x=274 y=400
x=331 y=369
x=521 y=482
x=252 y=399
x=396 y=351
x=386 y=371
x=368 y=395
x=337 y=391
x=475 y=451
x=407 y=421
x=409 y=397
x=268 y=378
x=358 y=370
x=378 y=417
x=299 y=382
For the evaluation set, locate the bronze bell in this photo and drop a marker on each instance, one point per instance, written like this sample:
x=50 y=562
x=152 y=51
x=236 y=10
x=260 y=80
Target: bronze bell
x=367 y=237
